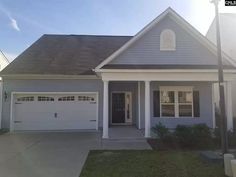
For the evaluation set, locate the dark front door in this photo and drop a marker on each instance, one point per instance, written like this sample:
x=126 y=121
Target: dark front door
x=118 y=108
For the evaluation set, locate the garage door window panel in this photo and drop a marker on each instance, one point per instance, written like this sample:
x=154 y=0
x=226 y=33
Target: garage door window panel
x=67 y=98
x=26 y=98
x=45 y=98
x=86 y=98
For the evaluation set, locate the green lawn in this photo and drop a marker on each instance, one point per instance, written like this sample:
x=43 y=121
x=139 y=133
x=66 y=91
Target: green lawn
x=148 y=164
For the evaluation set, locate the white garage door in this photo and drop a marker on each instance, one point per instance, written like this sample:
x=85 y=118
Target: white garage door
x=55 y=112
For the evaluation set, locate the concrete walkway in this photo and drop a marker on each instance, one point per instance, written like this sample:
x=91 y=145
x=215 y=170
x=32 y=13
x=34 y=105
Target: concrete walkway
x=53 y=154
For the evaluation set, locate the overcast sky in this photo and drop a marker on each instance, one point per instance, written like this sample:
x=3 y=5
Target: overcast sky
x=23 y=21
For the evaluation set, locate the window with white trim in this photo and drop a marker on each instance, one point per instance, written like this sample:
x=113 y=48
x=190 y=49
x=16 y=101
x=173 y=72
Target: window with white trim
x=167 y=40
x=67 y=98
x=45 y=98
x=176 y=102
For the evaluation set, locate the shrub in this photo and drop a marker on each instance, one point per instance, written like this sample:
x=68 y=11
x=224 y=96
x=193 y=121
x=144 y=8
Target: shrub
x=164 y=134
x=196 y=136
x=184 y=135
x=161 y=130
x=202 y=136
x=231 y=138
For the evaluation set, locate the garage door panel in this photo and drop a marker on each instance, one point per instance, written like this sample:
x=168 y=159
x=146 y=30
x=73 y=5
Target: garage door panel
x=27 y=112
x=47 y=112
x=59 y=125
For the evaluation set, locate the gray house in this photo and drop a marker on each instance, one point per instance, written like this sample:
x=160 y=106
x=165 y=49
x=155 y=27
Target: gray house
x=165 y=73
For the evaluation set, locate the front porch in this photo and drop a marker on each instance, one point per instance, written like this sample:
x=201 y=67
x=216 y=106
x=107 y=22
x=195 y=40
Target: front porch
x=142 y=112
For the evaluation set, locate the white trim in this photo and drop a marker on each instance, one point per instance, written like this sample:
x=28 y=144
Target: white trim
x=45 y=93
x=1 y=102
x=176 y=104
x=163 y=70
x=147 y=110
x=163 y=35
x=39 y=77
x=55 y=93
x=213 y=106
x=139 y=106
x=176 y=88
x=189 y=28
x=165 y=76
x=11 y=113
x=131 y=108
x=97 y=112
x=229 y=109
x=105 y=131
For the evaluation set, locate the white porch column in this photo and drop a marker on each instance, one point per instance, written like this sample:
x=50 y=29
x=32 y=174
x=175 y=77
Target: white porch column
x=105 y=110
x=147 y=110
x=229 y=110
x=139 y=106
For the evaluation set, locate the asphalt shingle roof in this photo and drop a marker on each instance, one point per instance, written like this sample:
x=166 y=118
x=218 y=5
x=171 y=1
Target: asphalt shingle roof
x=65 y=54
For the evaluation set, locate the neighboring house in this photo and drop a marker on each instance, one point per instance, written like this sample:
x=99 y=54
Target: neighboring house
x=165 y=73
x=228 y=43
x=3 y=63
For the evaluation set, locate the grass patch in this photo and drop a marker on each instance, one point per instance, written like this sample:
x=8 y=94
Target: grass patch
x=148 y=163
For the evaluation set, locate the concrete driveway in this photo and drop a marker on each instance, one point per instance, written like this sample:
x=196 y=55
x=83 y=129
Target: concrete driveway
x=52 y=154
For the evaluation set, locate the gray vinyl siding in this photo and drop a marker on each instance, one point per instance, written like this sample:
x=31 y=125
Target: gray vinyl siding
x=49 y=86
x=189 y=51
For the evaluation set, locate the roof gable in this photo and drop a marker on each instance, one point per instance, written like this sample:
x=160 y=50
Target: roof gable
x=178 y=20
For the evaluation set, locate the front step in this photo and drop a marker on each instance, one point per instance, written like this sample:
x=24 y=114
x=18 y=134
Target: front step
x=125 y=144
x=125 y=139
